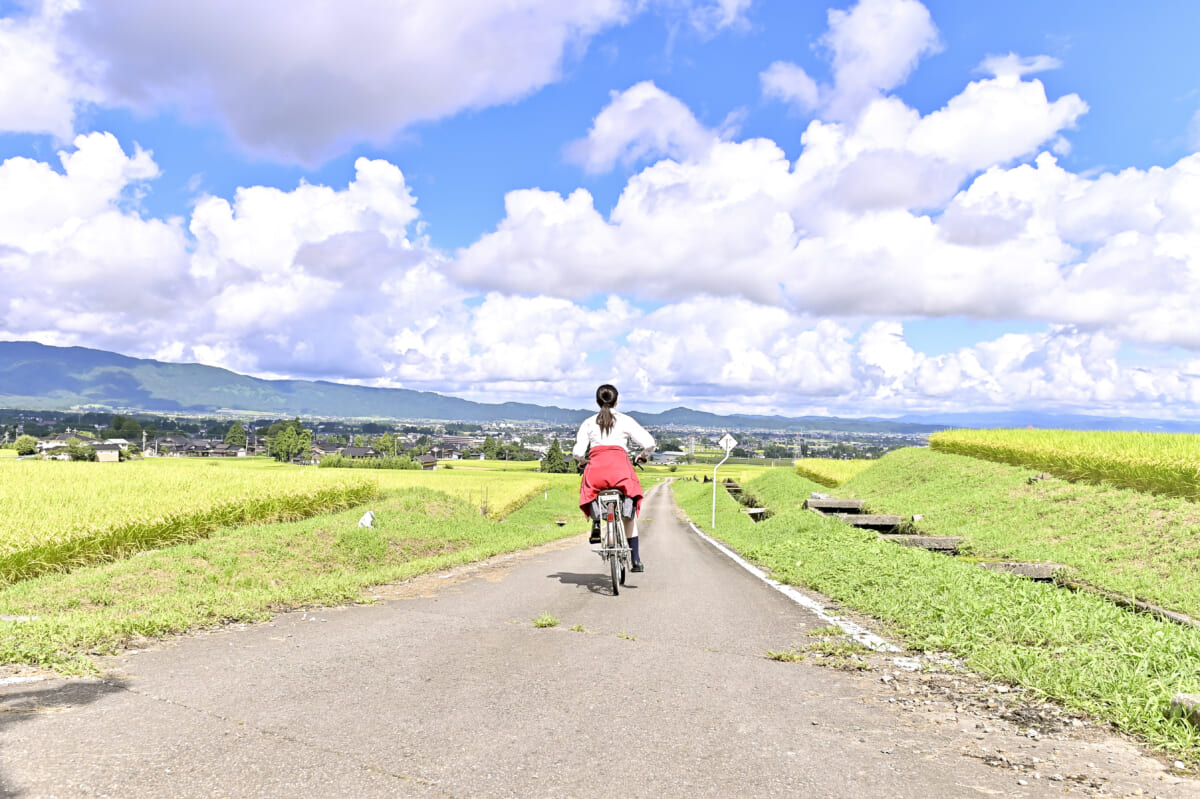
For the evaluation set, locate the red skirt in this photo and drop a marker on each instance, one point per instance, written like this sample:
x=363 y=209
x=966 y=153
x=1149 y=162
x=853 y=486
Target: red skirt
x=608 y=467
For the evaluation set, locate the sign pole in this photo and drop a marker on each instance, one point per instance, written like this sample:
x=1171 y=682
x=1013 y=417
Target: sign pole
x=727 y=443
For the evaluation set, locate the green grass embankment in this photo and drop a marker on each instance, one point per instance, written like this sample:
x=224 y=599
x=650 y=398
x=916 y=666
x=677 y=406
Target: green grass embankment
x=1141 y=545
x=1075 y=648
x=248 y=573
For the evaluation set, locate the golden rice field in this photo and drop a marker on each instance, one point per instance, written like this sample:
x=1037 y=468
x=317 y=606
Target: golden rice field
x=502 y=491
x=1158 y=463
x=831 y=472
x=61 y=514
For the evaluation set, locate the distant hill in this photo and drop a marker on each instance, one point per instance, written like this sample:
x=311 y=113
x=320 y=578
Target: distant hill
x=1052 y=421
x=39 y=377
x=686 y=417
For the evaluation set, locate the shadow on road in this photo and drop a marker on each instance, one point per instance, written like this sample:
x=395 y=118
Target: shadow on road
x=25 y=701
x=596 y=583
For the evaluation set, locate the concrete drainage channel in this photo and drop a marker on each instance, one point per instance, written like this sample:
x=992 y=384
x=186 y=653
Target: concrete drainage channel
x=900 y=531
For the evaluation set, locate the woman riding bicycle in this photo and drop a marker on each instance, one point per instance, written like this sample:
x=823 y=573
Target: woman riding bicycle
x=603 y=444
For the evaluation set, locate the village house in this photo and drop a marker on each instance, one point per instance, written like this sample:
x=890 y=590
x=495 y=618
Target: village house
x=107 y=453
x=358 y=452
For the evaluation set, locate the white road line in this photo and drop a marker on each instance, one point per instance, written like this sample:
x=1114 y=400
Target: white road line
x=862 y=636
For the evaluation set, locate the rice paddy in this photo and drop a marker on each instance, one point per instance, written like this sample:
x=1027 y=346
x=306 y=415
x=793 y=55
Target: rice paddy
x=60 y=514
x=1157 y=463
x=831 y=472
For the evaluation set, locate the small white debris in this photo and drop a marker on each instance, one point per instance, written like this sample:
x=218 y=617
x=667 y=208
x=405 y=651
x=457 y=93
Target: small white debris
x=818 y=495
x=1179 y=765
x=907 y=664
x=367 y=520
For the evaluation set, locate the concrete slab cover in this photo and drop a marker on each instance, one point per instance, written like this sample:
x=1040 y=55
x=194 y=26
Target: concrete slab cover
x=835 y=505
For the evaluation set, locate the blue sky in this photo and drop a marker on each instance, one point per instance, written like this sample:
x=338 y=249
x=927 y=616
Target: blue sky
x=867 y=208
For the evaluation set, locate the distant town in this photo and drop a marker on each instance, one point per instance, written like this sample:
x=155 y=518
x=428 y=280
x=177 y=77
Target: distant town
x=105 y=436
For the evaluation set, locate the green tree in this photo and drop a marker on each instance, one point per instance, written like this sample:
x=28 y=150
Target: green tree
x=554 y=462
x=285 y=445
x=291 y=441
x=515 y=452
x=26 y=445
x=387 y=444
x=491 y=449
x=671 y=444
x=125 y=427
x=236 y=437
x=79 y=450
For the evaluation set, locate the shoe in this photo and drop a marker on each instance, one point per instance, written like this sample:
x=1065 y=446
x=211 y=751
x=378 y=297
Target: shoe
x=595 y=536
x=637 y=567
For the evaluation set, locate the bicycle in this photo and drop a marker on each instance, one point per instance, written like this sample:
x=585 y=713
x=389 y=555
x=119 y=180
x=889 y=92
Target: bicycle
x=614 y=546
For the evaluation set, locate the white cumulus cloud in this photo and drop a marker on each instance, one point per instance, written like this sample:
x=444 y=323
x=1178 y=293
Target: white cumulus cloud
x=42 y=80
x=277 y=75
x=791 y=84
x=639 y=123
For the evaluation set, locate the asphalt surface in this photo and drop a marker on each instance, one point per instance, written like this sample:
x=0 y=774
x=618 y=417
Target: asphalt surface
x=446 y=688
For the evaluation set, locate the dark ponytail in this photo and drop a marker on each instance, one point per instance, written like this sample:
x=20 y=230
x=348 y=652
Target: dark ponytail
x=606 y=398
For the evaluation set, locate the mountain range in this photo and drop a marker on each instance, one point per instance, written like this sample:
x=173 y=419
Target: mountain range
x=40 y=377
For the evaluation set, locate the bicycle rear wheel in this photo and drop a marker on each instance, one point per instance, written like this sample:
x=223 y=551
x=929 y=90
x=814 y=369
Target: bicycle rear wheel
x=614 y=559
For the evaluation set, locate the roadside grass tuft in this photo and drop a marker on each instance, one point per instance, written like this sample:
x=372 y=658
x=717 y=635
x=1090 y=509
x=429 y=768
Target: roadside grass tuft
x=545 y=620
x=1071 y=647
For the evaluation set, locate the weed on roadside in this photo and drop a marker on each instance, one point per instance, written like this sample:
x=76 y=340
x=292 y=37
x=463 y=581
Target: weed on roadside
x=840 y=654
x=545 y=620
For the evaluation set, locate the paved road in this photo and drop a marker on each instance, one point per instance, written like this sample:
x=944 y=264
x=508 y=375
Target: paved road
x=445 y=688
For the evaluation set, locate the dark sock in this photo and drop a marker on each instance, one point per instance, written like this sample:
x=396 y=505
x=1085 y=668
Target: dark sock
x=633 y=547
